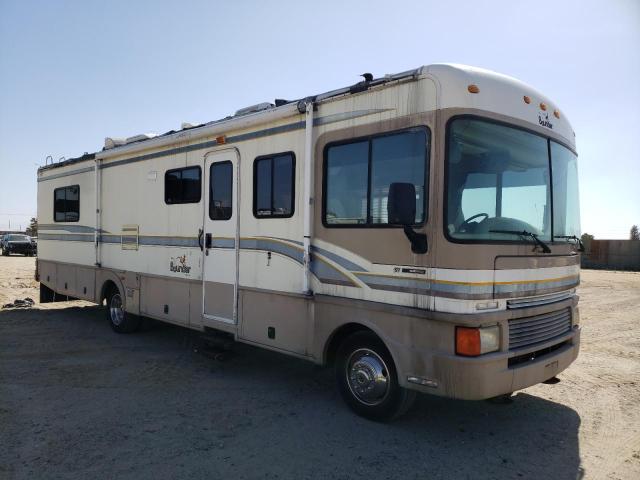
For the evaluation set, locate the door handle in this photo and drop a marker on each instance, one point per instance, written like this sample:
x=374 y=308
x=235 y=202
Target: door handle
x=200 y=233
x=207 y=241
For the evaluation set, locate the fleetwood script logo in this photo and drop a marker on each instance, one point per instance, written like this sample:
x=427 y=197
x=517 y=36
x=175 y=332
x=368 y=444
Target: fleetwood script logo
x=179 y=266
x=543 y=119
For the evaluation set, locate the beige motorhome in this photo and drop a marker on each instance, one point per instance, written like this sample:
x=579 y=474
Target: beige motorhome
x=417 y=231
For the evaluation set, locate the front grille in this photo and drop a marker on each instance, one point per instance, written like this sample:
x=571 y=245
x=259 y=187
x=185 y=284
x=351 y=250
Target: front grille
x=527 y=331
x=539 y=299
x=531 y=356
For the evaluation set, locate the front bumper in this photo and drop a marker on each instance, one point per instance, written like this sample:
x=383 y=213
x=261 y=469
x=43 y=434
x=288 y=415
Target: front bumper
x=20 y=248
x=491 y=375
x=441 y=372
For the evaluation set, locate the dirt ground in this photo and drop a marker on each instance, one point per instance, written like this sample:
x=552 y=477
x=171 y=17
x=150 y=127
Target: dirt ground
x=78 y=401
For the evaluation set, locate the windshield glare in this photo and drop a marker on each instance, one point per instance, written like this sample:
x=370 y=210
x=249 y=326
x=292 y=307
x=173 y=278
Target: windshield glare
x=499 y=178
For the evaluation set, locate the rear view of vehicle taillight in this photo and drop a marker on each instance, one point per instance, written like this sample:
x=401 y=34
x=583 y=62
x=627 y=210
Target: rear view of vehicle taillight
x=474 y=341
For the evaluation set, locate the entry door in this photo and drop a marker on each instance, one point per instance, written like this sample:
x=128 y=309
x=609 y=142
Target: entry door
x=220 y=237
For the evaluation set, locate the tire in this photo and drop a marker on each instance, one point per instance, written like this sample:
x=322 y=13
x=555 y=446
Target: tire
x=46 y=294
x=119 y=319
x=361 y=357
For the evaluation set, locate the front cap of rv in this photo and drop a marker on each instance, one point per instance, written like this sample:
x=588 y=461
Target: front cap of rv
x=472 y=88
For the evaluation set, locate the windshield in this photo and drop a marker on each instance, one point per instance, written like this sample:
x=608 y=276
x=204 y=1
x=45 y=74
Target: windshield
x=499 y=183
x=18 y=238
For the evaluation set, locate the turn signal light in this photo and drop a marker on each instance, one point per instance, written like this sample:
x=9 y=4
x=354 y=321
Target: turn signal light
x=471 y=342
x=473 y=89
x=526 y=99
x=556 y=113
x=468 y=341
x=543 y=106
x=221 y=140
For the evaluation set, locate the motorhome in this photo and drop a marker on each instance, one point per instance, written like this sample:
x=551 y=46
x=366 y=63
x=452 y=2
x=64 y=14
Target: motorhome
x=418 y=232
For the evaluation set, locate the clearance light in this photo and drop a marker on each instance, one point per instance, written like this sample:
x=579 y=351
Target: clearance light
x=543 y=106
x=556 y=113
x=486 y=305
x=471 y=342
x=221 y=140
x=473 y=89
x=526 y=99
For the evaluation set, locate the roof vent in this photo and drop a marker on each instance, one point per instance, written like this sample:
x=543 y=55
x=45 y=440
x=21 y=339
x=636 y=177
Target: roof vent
x=141 y=137
x=111 y=142
x=186 y=125
x=254 y=108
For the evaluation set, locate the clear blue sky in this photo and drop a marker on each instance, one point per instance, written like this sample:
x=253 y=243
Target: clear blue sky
x=73 y=72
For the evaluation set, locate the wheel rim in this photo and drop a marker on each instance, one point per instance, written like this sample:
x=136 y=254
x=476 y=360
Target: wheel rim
x=115 y=309
x=367 y=376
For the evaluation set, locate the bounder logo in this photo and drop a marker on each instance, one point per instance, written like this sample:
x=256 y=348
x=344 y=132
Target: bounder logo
x=543 y=119
x=179 y=266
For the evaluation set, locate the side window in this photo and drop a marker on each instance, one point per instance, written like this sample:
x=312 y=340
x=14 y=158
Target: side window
x=182 y=185
x=347 y=179
x=273 y=183
x=358 y=175
x=66 y=204
x=221 y=191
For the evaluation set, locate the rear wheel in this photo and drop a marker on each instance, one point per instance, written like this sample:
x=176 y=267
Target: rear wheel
x=119 y=319
x=367 y=378
x=46 y=294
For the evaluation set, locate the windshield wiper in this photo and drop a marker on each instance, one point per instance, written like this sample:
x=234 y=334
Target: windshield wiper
x=572 y=237
x=525 y=233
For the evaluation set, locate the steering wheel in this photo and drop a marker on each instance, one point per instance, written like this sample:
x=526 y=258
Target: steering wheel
x=468 y=220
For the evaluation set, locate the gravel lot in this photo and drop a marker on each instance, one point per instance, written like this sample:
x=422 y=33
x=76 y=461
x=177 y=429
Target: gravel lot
x=78 y=401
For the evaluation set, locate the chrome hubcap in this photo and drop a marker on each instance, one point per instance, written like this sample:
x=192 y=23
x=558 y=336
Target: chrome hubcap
x=115 y=309
x=367 y=376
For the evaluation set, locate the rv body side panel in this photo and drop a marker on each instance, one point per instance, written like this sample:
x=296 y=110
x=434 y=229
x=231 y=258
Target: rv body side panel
x=280 y=321
x=67 y=241
x=165 y=299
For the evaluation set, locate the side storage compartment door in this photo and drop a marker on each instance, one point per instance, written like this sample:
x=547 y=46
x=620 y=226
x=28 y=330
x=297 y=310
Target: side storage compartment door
x=85 y=283
x=165 y=299
x=66 y=280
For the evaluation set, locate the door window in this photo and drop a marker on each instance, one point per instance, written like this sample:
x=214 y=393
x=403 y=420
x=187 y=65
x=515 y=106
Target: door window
x=221 y=191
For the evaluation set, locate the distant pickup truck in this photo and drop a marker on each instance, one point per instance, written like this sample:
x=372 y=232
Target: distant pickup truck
x=15 y=243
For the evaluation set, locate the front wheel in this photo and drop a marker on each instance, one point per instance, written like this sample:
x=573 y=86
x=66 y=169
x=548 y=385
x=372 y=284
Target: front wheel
x=119 y=319
x=367 y=378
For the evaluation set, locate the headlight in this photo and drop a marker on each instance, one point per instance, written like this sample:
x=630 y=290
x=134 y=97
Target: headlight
x=471 y=342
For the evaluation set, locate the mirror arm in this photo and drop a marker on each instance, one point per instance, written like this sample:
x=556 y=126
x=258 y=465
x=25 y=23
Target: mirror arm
x=418 y=240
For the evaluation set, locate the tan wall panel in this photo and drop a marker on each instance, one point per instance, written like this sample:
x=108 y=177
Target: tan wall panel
x=378 y=245
x=218 y=299
x=47 y=273
x=85 y=283
x=195 y=305
x=507 y=263
x=155 y=293
x=66 y=279
x=289 y=315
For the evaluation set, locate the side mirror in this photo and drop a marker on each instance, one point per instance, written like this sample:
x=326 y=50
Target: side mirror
x=401 y=204
x=401 y=210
